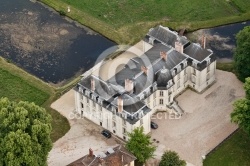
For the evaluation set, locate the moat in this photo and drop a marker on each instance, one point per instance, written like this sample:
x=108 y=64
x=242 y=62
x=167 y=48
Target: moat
x=44 y=43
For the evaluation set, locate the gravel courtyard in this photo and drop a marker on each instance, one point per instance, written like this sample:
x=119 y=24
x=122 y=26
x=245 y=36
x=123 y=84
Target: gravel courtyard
x=82 y=135
x=206 y=121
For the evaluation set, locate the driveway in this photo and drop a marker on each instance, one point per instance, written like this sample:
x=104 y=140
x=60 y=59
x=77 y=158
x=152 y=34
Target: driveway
x=205 y=124
x=82 y=135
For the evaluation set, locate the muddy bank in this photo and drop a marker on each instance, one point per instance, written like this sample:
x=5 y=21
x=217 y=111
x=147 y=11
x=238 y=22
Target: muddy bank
x=45 y=44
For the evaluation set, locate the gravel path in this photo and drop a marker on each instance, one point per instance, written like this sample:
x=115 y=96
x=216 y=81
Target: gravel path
x=206 y=122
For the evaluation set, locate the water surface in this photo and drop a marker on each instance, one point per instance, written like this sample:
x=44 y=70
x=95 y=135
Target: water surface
x=44 y=43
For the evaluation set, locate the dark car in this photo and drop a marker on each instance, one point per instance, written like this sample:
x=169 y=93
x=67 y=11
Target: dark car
x=106 y=133
x=154 y=125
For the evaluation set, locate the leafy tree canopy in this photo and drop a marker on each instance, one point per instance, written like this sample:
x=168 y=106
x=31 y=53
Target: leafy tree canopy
x=242 y=54
x=24 y=134
x=241 y=112
x=140 y=145
x=171 y=158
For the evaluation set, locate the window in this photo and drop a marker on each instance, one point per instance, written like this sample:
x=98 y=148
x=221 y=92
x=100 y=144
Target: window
x=178 y=76
x=208 y=76
x=169 y=99
x=208 y=68
x=82 y=105
x=154 y=94
x=87 y=100
x=114 y=124
x=161 y=93
x=194 y=71
x=124 y=131
x=124 y=122
x=81 y=97
x=141 y=122
x=124 y=137
x=161 y=101
x=193 y=79
x=185 y=71
x=178 y=84
x=113 y=117
x=113 y=131
x=93 y=104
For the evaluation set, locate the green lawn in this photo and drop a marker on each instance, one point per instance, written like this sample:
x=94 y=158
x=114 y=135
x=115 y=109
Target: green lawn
x=235 y=151
x=126 y=21
x=17 y=85
x=15 y=88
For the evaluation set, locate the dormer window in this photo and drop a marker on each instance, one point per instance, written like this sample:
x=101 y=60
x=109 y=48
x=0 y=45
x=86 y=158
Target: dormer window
x=173 y=73
x=208 y=61
x=80 y=89
x=194 y=64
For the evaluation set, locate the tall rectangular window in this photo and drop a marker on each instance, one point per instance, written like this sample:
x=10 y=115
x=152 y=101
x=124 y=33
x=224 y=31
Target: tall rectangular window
x=141 y=122
x=194 y=71
x=161 y=93
x=161 y=101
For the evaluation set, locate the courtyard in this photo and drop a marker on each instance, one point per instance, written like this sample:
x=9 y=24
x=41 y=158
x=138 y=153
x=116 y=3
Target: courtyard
x=205 y=123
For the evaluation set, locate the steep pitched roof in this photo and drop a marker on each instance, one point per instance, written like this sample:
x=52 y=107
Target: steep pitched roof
x=196 y=52
x=163 y=34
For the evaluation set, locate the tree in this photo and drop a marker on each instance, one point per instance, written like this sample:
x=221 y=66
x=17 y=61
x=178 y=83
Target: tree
x=140 y=145
x=241 y=112
x=242 y=54
x=171 y=158
x=24 y=134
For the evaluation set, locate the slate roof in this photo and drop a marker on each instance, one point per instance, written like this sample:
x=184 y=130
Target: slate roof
x=101 y=87
x=130 y=104
x=197 y=52
x=163 y=34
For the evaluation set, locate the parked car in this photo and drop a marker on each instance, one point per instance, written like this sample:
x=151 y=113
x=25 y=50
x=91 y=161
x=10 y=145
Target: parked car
x=154 y=125
x=106 y=133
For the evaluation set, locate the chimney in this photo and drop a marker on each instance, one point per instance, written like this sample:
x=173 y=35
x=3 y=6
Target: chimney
x=179 y=47
x=129 y=85
x=91 y=154
x=120 y=104
x=203 y=41
x=144 y=69
x=92 y=84
x=163 y=55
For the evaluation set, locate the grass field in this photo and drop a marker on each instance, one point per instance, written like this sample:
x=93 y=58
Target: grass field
x=233 y=152
x=17 y=85
x=126 y=21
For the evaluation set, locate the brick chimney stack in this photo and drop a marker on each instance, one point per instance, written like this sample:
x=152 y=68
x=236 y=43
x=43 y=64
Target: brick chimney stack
x=144 y=69
x=163 y=55
x=91 y=153
x=129 y=85
x=92 y=84
x=179 y=47
x=203 y=41
x=120 y=104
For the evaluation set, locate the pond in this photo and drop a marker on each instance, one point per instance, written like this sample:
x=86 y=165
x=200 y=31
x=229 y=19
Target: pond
x=220 y=39
x=44 y=43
